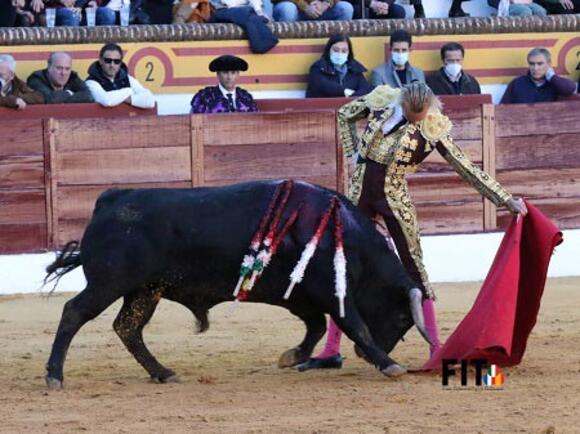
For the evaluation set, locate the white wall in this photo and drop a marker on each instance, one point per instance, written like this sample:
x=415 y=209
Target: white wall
x=450 y=258
x=179 y=103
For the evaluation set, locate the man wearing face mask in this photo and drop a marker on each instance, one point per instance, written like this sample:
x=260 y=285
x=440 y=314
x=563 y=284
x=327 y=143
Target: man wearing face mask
x=398 y=72
x=337 y=73
x=451 y=79
x=14 y=93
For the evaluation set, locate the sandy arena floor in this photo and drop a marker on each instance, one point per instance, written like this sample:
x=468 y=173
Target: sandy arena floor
x=230 y=382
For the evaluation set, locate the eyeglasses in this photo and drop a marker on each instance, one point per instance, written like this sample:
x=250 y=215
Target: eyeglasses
x=108 y=60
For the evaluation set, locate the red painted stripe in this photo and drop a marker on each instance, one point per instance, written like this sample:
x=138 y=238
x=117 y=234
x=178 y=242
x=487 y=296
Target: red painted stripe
x=249 y=79
x=515 y=43
x=43 y=55
x=218 y=51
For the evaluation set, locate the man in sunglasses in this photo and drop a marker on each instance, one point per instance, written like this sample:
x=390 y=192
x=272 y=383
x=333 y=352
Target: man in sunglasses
x=110 y=83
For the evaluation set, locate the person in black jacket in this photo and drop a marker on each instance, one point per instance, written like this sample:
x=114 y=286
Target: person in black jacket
x=337 y=73
x=58 y=83
x=451 y=79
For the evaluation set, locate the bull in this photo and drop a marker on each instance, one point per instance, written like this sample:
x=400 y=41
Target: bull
x=186 y=245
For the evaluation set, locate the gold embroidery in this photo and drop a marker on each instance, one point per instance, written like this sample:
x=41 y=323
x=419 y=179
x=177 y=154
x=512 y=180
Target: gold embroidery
x=356 y=183
x=382 y=97
x=399 y=200
x=435 y=126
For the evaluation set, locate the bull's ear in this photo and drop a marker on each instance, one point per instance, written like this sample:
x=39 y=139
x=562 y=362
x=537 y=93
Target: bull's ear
x=415 y=300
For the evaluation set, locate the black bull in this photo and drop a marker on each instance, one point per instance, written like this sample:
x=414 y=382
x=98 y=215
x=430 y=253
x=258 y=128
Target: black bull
x=186 y=245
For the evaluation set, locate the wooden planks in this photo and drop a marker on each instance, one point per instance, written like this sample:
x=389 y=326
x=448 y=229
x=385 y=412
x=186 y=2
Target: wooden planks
x=23 y=220
x=554 y=192
x=538 y=157
x=265 y=146
x=446 y=204
x=51 y=175
x=122 y=133
x=89 y=156
x=532 y=119
x=110 y=166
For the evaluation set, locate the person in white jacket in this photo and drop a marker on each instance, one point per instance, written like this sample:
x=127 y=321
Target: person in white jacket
x=110 y=83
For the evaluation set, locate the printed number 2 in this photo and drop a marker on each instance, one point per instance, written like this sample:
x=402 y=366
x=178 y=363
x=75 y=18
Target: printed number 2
x=150 y=68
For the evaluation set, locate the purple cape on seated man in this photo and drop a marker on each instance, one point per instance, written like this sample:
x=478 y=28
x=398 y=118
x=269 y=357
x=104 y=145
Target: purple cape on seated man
x=226 y=96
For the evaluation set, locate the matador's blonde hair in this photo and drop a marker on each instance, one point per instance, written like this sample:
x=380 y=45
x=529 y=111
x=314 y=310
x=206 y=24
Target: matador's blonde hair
x=417 y=95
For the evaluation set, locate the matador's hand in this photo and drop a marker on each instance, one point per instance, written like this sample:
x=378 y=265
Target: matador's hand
x=517 y=206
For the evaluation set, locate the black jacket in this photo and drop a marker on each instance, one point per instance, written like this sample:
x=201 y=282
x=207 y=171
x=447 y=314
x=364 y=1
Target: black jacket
x=324 y=80
x=441 y=85
x=121 y=80
x=39 y=81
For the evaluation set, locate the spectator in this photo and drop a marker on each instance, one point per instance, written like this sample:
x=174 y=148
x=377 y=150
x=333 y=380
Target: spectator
x=312 y=10
x=109 y=11
x=191 y=11
x=30 y=13
x=14 y=92
x=337 y=73
x=67 y=14
x=418 y=6
x=159 y=11
x=378 y=9
x=398 y=71
x=540 y=84
x=557 y=7
x=249 y=15
x=110 y=83
x=58 y=83
x=451 y=79
x=456 y=10
x=520 y=8
x=8 y=12
x=226 y=96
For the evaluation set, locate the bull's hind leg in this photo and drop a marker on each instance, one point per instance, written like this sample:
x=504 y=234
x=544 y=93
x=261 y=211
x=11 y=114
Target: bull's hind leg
x=77 y=311
x=315 y=329
x=136 y=312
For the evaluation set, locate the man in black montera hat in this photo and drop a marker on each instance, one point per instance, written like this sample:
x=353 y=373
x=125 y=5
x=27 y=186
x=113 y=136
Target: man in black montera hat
x=226 y=96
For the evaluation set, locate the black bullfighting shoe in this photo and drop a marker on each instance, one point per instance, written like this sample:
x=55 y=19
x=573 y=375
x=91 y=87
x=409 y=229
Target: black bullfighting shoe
x=332 y=362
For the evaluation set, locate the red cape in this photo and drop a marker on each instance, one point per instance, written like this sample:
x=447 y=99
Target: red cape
x=505 y=311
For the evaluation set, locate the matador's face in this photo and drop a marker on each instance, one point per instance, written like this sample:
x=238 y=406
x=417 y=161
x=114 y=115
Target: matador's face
x=414 y=116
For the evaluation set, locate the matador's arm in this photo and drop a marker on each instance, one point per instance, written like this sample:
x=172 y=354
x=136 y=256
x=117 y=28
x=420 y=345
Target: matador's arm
x=346 y=119
x=479 y=179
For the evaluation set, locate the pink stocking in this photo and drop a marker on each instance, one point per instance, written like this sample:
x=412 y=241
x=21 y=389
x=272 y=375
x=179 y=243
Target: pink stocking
x=332 y=346
x=431 y=324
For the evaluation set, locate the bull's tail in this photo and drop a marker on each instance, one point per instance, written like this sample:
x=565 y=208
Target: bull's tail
x=68 y=259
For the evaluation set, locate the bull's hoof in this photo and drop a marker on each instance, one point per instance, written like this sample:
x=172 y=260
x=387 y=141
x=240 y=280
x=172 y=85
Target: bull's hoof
x=394 y=371
x=291 y=358
x=53 y=383
x=172 y=379
x=165 y=377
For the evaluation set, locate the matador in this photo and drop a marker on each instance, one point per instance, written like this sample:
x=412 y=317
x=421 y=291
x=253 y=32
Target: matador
x=404 y=126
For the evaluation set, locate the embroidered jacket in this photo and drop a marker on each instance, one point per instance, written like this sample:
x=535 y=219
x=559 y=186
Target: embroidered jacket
x=405 y=148
x=211 y=100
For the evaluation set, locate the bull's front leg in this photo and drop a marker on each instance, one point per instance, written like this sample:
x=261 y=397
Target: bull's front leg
x=356 y=329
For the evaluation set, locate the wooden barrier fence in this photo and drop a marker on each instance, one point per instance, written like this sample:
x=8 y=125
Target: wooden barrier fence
x=51 y=171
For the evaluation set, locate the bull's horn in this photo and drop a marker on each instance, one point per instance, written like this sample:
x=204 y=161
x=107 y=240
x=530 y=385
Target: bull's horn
x=415 y=297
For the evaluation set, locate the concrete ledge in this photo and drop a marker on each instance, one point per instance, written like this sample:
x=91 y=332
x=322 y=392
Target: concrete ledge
x=300 y=30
